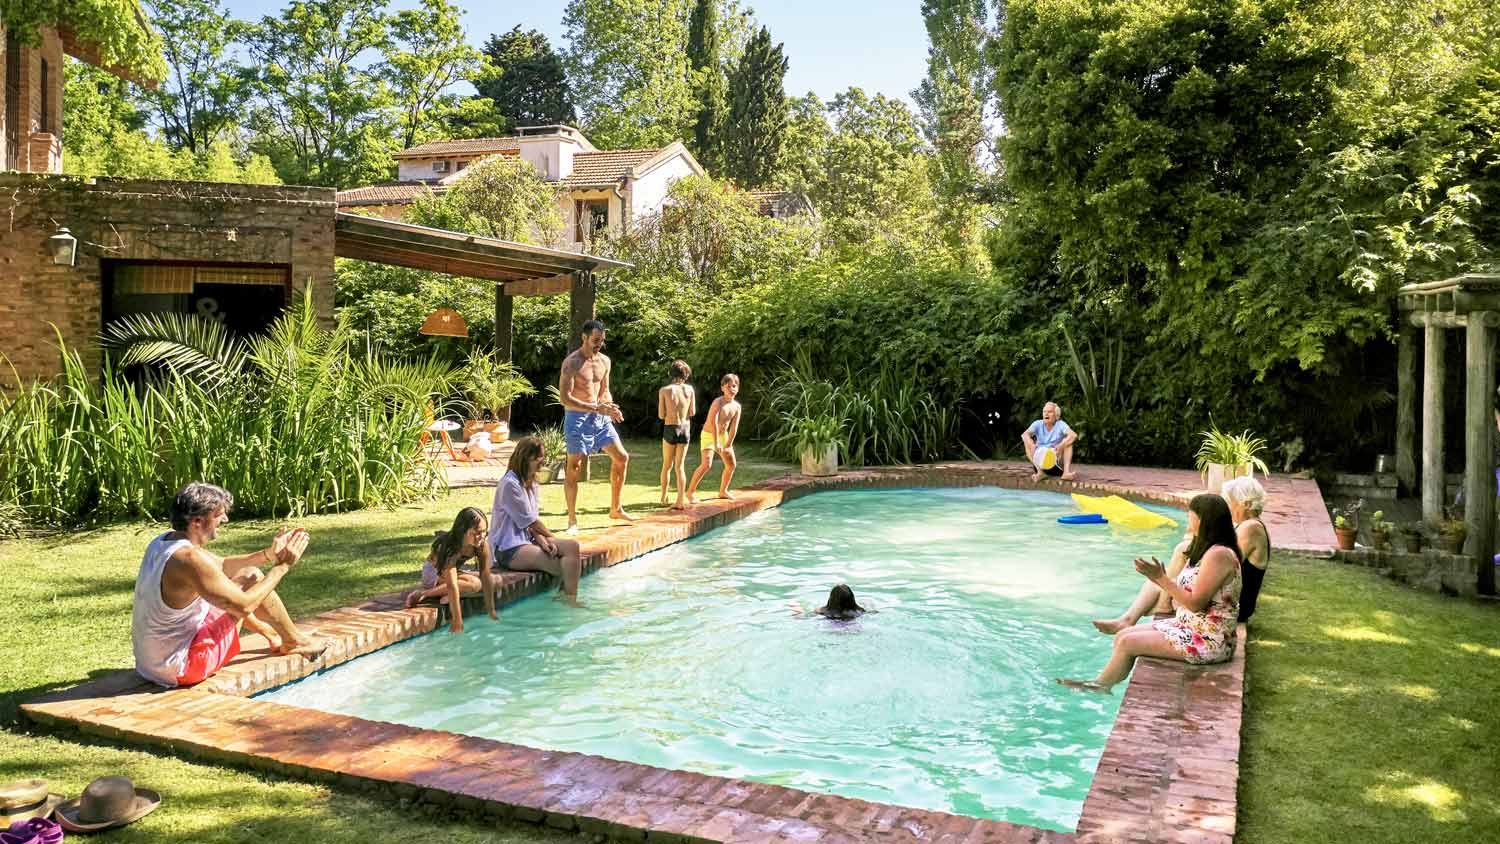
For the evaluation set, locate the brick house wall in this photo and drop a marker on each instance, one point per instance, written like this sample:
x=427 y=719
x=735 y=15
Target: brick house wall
x=31 y=120
x=122 y=219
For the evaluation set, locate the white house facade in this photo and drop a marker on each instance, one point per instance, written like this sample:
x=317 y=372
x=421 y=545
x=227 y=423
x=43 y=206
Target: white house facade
x=599 y=190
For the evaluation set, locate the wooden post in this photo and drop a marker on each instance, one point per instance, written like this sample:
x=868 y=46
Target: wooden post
x=1406 y=410
x=505 y=328
x=1432 y=424
x=1479 y=427
x=581 y=300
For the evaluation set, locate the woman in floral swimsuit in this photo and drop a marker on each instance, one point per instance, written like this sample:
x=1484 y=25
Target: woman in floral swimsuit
x=1207 y=596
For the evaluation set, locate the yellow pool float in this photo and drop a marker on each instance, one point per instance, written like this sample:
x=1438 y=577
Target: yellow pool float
x=1121 y=512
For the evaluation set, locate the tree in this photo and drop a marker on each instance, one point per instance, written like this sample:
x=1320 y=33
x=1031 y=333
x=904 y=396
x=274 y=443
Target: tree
x=757 y=113
x=202 y=97
x=527 y=82
x=952 y=101
x=708 y=71
x=629 y=70
x=321 y=103
x=500 y=196
x=106 y=137
x=427 y=57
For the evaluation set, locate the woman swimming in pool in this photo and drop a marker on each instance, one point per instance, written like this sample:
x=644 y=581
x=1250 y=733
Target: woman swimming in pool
x=841 y=605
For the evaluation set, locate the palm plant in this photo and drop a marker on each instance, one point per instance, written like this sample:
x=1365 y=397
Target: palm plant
x=492 y=384
x=1241 y=449
x=298 y=420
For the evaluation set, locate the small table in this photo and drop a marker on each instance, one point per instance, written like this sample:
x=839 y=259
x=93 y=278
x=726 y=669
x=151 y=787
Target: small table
x=441 y=428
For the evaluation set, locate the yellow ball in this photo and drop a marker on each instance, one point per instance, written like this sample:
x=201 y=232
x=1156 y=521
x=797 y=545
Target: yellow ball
x=1044 y=458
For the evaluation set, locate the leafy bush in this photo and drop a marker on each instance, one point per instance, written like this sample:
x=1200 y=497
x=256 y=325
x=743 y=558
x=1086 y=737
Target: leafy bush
x=887 y=419
x=293 y=422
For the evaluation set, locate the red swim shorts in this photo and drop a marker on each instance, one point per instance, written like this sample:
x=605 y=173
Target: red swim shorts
x=217 y=642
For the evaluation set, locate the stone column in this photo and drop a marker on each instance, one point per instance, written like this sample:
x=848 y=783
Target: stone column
x=504 y=331
x=581 y=299
x=1479 y=427
x=1406 y=409
x=1432 y=423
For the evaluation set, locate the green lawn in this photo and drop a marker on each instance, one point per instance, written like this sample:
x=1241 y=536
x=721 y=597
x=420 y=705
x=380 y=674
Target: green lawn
x=1371 y=711
x=68 y=619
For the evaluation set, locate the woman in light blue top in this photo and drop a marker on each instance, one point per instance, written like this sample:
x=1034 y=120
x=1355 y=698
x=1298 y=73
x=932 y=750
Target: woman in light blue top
x=520 y=541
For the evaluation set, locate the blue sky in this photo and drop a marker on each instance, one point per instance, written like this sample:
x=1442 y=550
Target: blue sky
x=831 y=45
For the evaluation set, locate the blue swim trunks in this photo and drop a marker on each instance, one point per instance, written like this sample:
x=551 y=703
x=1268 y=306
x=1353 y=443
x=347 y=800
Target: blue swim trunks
x=587 y=433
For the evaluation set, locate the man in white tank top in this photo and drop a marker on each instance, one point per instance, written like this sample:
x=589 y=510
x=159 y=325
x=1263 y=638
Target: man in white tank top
x=189 y=602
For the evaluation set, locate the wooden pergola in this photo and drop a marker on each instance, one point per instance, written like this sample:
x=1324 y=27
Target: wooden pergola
x=518 y=269
x=1428 y=311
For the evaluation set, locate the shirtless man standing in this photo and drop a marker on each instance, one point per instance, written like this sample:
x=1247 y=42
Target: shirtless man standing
x=588 y=420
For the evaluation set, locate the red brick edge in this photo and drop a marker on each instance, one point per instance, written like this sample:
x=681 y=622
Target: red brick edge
x=1168 y=772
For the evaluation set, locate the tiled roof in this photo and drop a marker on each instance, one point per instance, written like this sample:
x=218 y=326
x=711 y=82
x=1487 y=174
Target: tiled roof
x=606 y=167
x=390 y=193
x=462 y=146
x=766 y=199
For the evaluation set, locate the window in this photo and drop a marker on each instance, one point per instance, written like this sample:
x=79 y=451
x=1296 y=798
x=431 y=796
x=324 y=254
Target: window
x=593 y=219
x=462 y=164
x=46 y=118
x=439 y=166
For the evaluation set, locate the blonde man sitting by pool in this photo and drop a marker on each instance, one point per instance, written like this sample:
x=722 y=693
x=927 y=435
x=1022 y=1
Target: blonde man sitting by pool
x=1052 y=433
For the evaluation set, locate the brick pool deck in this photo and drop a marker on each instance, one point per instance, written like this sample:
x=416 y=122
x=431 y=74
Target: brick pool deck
x=1168 y=772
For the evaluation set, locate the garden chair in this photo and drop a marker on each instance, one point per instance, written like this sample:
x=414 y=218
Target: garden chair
x=437 y=433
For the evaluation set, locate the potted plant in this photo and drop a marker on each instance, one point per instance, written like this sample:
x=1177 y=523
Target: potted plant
x=1346 y=524
x=554 y=447
x=1223 y=456
x=1414 y=537
x=1452 y=531
x=1380 y=531
x=491 y=385
x=817 y=442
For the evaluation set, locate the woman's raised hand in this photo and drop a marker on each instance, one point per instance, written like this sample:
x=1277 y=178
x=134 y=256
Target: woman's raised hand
x=1153 y=571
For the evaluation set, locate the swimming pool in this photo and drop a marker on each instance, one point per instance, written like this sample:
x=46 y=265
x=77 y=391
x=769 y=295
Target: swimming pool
x=689 y=657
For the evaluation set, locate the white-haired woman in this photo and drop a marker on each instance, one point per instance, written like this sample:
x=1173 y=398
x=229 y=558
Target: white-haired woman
x=1246 y=498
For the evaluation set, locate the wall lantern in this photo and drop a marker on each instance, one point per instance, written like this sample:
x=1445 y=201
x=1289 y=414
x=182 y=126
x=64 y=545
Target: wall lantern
x=64 y=247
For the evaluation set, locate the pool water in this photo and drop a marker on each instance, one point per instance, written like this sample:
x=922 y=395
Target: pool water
x=693 y=657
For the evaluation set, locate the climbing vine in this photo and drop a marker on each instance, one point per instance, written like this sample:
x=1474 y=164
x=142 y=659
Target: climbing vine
x=117 y=27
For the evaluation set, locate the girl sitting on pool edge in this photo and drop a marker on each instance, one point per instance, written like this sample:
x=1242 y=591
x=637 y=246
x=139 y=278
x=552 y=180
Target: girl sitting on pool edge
x=442 y=573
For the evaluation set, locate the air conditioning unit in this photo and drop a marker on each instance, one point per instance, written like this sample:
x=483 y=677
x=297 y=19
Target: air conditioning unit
x=440 y=166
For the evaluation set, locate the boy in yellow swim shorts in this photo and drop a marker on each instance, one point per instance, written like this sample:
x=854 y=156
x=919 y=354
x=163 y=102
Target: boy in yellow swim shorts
x=718 y=436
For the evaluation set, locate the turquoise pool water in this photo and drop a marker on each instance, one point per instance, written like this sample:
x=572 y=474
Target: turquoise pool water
x=691 y=657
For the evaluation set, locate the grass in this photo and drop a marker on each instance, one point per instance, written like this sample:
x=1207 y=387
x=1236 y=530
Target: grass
x=68 y=620
x=1370 y=712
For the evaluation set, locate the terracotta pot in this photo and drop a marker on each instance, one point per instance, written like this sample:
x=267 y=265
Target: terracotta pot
x=499 y=431
x=1452 y=541
x=1413 y=541
x=817 y=466
x=1382 y=539
x=1346 y=538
